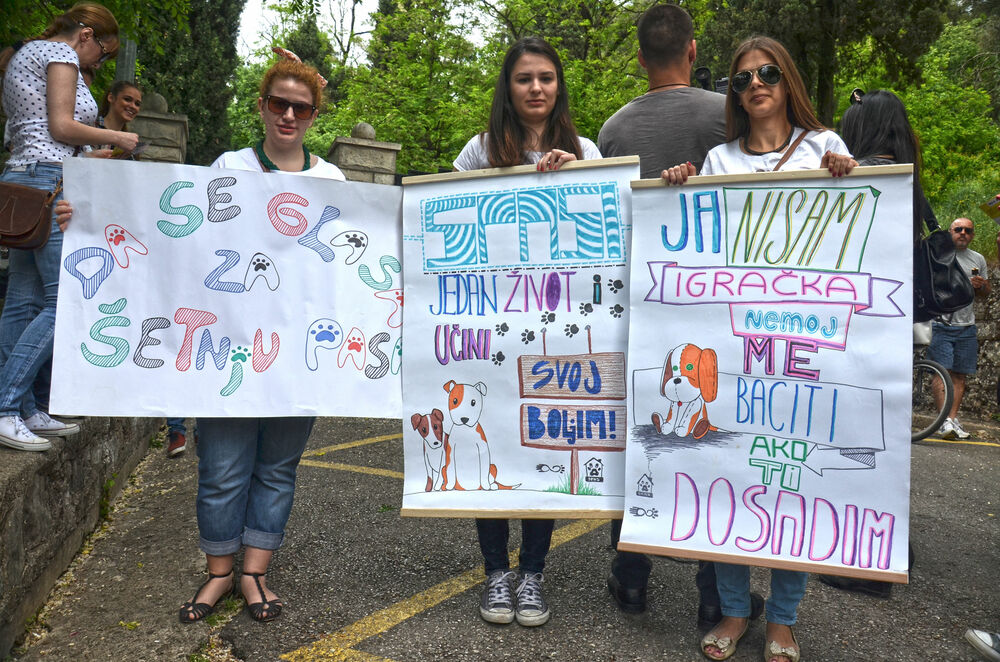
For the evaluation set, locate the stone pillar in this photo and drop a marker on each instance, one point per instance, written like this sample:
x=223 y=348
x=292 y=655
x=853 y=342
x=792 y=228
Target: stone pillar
x=125 y=63
x=364 y=159
x=165 y=132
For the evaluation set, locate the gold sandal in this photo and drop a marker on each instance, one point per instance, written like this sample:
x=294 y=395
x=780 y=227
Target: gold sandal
x=773 y=649
x=726 y=645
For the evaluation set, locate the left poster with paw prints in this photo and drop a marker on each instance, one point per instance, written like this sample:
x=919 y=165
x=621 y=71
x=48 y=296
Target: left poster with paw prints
x=191 y=291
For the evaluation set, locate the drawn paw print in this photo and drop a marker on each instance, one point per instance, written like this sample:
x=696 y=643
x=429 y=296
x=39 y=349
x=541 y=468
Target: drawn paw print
x=354 y=344
x=572 y=330
x=356 y=240
x=616 y=310
x=240 y=354
x=116 y=236
x=502 y=329
x=498 y=358
x=527 y=336
x=615 y=286
x=586 y=308
x=260 y=264
x=548 y=318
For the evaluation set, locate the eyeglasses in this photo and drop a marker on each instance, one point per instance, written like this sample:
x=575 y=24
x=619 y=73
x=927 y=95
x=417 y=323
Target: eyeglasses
x=962 y=229
x=769 y=74
x=105 y=53
x=278 y=106
x=856 y=95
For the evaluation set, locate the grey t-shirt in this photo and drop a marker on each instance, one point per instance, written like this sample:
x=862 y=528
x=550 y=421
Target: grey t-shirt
x=968 y=260
x=666 y=128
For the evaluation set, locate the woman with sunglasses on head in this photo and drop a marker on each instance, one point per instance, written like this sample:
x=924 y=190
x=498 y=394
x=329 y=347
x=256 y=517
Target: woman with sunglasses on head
x=529 y=124
x=50 y=113
x=246 y=466
x=770 y=125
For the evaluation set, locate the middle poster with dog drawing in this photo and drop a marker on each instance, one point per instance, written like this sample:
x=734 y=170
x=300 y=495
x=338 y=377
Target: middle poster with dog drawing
x=515 y=332
x=769 y=371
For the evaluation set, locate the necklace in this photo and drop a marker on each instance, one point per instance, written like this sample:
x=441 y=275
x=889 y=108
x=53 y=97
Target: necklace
x=780 y=147
x=269 y=164
x=659 y=87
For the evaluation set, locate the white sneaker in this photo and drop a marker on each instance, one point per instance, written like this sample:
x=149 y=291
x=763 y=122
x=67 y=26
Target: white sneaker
x=13 y=433
x=43 y=424
x=947 y=429
x=959 y=431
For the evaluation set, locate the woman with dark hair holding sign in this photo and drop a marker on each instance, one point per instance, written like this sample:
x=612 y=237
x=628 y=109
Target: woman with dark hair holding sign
x=529 y=124
x=246 y=466
x=770 y=125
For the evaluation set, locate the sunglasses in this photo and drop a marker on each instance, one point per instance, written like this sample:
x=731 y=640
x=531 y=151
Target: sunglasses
x=105 y=53
x=963 y=230
x=769 y=74
x=856 y=94
x=278 y=106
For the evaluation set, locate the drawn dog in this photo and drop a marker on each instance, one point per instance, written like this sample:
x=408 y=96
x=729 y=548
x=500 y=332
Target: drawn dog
x=690 y=379
x=467 y=464
x=431 y=429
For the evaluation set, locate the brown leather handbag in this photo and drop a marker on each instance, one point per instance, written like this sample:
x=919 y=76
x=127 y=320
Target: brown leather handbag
x=25 y=215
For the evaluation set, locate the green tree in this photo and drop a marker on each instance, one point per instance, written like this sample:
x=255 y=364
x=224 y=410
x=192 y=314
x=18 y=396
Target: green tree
x=195 y=71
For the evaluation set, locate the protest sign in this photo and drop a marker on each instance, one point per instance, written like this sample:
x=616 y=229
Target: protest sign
x=516 y=329
x=189 y=291
x=769 y=371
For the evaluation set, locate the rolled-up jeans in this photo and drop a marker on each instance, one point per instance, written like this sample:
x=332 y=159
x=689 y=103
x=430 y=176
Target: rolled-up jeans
x=246 y=480
x=27 y=324
x=787 y=589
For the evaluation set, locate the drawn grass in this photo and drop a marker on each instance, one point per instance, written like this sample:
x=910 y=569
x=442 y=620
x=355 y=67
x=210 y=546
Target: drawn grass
x=581 y=488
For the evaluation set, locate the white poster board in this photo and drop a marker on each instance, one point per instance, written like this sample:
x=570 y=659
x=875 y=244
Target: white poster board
x=190 y=291
x=516 y=329
x=769 y=371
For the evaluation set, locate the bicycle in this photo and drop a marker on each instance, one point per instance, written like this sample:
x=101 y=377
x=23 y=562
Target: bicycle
x=925 y=411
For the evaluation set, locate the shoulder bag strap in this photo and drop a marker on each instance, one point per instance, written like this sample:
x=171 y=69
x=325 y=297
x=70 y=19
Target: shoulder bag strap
x=791 y=148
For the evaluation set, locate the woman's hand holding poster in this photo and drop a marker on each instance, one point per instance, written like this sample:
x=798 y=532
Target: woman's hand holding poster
x=769 y=371
x=516 y=327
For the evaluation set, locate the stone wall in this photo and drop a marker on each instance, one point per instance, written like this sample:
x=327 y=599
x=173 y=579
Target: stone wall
x=50 y=502
x=980 y=399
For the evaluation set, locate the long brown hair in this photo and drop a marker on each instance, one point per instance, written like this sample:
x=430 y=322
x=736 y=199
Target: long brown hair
x=81 y=15
x=507 y=136
x=797 y=106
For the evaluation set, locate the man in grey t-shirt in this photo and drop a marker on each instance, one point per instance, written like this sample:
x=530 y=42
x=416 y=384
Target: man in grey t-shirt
x=671 y=124
x=953 y=339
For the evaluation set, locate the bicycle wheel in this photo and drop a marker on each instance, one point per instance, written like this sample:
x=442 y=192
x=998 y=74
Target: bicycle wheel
x=927 y=416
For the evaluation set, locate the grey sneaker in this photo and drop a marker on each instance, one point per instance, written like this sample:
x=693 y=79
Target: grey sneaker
x=959 y=431
x=947 y=429
x=42 y=424
x=13 y=433
x=531 y=607
x=497 y=603
x=987 y=643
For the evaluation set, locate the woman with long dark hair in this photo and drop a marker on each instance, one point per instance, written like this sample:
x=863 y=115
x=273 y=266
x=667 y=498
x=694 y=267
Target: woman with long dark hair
x=770 y=125
x=529 y=123
x=50 y=113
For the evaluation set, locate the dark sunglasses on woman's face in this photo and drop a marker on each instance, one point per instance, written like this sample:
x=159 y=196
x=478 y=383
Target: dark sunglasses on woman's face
x=769 y=74
x=278 y=106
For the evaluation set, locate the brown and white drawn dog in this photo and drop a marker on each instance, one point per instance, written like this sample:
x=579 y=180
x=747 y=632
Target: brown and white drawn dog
x=467 y=464
x=431 y=429
x=690 y=379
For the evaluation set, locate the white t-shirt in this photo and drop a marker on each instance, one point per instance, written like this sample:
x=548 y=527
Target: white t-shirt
x=25 y=103
x=729 y=158
x=245 y=159
x=473 y=155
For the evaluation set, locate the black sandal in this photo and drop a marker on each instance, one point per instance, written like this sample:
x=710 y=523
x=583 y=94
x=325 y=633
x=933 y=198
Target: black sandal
x=265 y=610
x=192 y=612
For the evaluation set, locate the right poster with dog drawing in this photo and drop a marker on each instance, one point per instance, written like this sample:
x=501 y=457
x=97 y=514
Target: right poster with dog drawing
x=515 y=333
x=769 y=370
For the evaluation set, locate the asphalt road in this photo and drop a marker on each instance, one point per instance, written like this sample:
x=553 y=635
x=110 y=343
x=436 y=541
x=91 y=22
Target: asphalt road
x=361 y=583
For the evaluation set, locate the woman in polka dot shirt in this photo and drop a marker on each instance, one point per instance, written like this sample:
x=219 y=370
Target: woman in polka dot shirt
x=50 y=112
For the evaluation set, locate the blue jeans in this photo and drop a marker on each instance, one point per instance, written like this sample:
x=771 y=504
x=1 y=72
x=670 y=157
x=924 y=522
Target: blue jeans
x=27 y=324
x=176 y=425
x=536 y=537
x=787 y=589
x=246 y=480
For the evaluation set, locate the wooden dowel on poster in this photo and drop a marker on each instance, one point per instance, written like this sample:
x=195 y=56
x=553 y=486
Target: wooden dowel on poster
x=709 y=180
x=574 y=470
x=512 y=513
x=517 y=170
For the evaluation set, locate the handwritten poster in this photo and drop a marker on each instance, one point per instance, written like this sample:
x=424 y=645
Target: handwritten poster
x=190 y=291
x=516 y=327
x=769 y=371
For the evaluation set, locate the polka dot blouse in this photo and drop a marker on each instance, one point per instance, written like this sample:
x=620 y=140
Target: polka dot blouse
x=24 y=102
